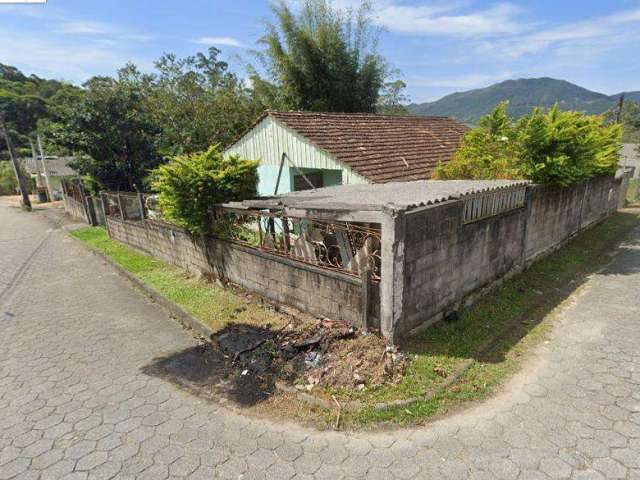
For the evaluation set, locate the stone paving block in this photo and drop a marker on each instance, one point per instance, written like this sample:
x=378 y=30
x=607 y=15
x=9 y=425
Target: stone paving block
x=83 y=395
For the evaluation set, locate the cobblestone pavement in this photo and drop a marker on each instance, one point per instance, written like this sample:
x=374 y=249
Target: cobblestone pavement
x=75 y=404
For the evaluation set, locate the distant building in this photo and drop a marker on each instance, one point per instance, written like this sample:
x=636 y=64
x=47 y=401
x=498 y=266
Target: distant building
x=50 y=172
x=630 y=157
x=296 y=149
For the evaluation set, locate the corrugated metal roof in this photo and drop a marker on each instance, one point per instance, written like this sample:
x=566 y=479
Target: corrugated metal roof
x=57 y=166
x=398 y=195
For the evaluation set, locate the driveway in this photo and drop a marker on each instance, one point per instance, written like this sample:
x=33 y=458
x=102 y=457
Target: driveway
x=74 y=402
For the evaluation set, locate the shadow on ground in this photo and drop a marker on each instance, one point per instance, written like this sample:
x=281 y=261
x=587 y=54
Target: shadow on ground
x=230 y=366
x=243 y=361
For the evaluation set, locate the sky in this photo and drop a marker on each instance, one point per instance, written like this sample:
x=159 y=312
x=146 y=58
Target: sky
x=438 y=47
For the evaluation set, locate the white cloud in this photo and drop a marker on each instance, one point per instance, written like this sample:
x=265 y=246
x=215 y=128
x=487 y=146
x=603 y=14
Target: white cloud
x=83 y=27
x=223 y=41
x=60 y=45
x=453 y=18
x=73 y=62
x=585 y=36
x=448 y=20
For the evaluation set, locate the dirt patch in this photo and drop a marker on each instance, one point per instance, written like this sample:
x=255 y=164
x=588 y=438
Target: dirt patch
x=244 y=362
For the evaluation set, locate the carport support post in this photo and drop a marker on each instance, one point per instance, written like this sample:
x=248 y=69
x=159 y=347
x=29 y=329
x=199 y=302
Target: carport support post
x=392 y=277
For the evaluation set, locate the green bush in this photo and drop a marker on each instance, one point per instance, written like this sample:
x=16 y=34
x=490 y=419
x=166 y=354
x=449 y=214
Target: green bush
x=190 y=185
x=8 y=181
x=552 y=147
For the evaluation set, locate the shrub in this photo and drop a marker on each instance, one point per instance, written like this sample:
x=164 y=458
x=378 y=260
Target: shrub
x=190 y=185
x=553 y=147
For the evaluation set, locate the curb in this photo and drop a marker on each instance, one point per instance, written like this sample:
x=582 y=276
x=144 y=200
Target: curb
x=189 y=322
x=185 y=318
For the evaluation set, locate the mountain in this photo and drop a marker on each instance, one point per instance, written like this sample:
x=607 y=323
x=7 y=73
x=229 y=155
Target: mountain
x=633 y=96
x=523 y=95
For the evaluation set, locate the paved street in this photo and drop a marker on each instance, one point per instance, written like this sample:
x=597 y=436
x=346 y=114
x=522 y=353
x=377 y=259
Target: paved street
x=74 y=402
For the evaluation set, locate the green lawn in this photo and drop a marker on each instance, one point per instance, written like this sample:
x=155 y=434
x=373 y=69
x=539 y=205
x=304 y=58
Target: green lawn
x=494 y=335
x=212 y=304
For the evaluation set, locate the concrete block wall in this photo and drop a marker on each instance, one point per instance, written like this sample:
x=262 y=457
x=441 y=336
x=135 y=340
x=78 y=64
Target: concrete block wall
x=600 y=199
x=446 y=260
x=443 y=261
x=553 y=215
x=314 y=290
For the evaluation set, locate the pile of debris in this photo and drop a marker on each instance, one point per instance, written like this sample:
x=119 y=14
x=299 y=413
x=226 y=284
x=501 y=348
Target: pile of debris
x=307 y=354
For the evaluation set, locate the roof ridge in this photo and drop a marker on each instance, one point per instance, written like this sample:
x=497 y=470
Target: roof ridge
x=357 y=114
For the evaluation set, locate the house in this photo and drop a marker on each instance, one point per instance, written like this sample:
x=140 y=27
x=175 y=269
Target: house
x=630 y=157
x=299 y=149
x=49 y=173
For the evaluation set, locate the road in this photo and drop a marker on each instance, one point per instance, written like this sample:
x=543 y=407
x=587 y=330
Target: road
x=75 y=403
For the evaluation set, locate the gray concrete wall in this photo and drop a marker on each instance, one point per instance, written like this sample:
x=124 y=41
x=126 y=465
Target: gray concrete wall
x=75 y=209
x=445 y=261
x=314 y=290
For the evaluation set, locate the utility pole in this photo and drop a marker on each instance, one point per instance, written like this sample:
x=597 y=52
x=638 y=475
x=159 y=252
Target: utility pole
x=16 y=165
x=620 y=105
x=44 y=168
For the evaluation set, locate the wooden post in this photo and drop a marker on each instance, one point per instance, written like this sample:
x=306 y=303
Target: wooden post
x=120 y=206
x=285 y=234
x=104 y=213
x=261 y=239
x=275 y=192
x=141 y=205
x=44 y=168
x=365 y=278
x=16 y=165
x=87 y=205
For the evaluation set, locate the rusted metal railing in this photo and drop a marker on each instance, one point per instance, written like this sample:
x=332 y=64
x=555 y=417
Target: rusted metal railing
x=348 y=247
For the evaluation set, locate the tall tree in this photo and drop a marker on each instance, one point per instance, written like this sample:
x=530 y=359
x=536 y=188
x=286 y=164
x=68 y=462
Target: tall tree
x=198 y=102
x=393 y=99
x=112 y=130
x=323 y=59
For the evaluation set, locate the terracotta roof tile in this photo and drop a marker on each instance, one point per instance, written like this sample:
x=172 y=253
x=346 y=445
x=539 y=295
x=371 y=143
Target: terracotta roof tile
x=381 y=148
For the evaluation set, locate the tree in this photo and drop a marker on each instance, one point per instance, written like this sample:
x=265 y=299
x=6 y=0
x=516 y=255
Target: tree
x=552 y=147
x=190 y=185
x=198 y=102
x=392 y=99
x=629 y=118
x=26 y=102
x=487 y=151
x=323 y=59
x=8 y=180
x=112 y=130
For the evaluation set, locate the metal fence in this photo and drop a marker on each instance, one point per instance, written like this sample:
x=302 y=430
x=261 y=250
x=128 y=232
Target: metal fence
x=481 y=205
x=79 y=204
x=348 y=247
x=124 y=205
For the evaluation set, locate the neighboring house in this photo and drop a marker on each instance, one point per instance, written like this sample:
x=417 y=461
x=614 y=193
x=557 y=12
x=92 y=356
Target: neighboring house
x=345 y=148
x=50 y=172
x=630 y=157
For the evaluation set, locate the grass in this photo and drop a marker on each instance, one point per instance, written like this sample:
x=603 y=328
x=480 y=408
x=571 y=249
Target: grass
x=494 y=335
x=214 y=305
x=632 y=191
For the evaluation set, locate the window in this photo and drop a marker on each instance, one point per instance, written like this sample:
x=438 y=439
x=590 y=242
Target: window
x=299 y=183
